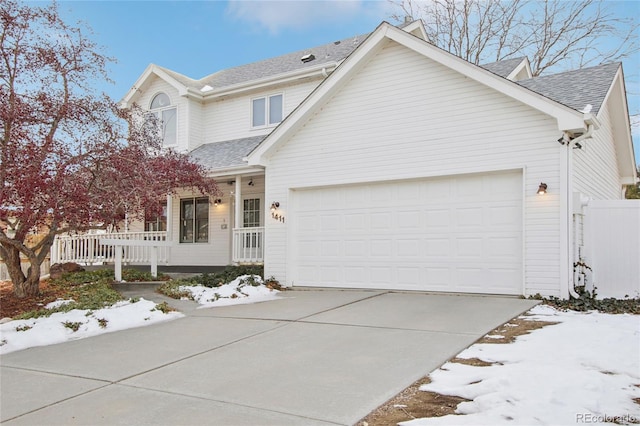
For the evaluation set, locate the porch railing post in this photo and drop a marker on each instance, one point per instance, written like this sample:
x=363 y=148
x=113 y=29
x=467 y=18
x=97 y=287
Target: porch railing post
x=118 y=263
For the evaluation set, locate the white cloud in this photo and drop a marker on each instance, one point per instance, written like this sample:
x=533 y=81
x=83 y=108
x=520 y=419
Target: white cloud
x=276 y=16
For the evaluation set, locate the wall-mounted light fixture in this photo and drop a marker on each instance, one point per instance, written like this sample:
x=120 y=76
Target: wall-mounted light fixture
x=542 y=189
x=250 y=182
x=217 y=202
x=275 y=212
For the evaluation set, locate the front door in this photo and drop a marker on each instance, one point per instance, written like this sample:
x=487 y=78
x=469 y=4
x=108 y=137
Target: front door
x=251 y=218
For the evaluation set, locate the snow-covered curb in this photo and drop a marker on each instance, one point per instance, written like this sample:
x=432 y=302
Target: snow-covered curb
x=59 y=327
x=236 y=292
x=586 y=369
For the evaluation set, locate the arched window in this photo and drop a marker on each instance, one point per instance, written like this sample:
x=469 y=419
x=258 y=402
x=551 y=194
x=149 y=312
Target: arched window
x=163 y=110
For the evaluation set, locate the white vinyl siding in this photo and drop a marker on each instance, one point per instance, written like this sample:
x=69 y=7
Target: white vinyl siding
x=230 y=118
x=196 y=124
x=595 y=166
x=404 y=116
x=217 y=251
x=213 y=252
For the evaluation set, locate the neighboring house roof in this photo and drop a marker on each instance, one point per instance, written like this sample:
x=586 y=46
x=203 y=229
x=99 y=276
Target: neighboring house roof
x=576 y=89
x=225 y=154
x=505 y=67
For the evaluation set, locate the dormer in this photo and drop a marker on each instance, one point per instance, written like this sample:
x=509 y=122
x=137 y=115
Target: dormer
x=516 y=69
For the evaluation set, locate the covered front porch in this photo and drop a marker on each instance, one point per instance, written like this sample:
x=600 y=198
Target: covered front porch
x=192 y=231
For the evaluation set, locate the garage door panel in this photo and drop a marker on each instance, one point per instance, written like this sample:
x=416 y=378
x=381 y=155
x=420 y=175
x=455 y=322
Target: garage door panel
x=469 y=188
x=355 y=248
x=307 y=222
x=437 y=247
x=381 y=274
x=437 y=277
x=408 y=277
x=442 y=234
x=355 y=221
x=469 y=248
x=409 y=219
x=437 y=218
x=381 y=248
x=408 y=248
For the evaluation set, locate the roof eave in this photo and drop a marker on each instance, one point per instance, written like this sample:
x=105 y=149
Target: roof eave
x=616 y=97
x=251 y=85
x=151 y=70
x=234 y=171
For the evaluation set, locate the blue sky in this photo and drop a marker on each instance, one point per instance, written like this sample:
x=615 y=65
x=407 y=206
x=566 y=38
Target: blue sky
x=197 y=38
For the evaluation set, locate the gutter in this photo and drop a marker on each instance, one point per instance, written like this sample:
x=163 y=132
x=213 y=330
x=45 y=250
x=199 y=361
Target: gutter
x=321 y=69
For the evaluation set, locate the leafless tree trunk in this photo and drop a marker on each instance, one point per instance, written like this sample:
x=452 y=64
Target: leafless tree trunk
x=552 y=33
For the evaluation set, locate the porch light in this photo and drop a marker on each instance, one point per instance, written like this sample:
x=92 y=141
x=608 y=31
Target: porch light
x=217 y=202
x=250 y=182
x=274 y=206
x=542 y=189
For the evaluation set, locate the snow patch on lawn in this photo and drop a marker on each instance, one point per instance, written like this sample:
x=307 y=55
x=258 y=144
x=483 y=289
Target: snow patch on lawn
x=58 y=303
x=59 y=327
x=586 y=369
x=236 y=292
x=78 y=324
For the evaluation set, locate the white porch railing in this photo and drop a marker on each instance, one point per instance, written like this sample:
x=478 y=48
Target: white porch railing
x=86 y=248
x=248 y=245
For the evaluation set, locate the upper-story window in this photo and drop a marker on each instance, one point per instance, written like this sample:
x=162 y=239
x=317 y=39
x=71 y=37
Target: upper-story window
x=266 y=111
x=165 y=112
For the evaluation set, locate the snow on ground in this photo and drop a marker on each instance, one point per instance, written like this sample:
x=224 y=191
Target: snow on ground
x=21 y=334
x=59 y=327
x=237 y=292
x=586 y=369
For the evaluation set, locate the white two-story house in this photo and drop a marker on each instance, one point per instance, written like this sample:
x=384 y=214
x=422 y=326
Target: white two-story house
x=382 y=161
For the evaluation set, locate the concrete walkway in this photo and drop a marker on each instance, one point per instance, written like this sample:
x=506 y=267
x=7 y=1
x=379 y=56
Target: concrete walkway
x=315 y=357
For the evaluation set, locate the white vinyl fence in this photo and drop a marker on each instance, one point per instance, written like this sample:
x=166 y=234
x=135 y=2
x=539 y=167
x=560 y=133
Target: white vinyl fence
x=612 y=247
x=87 y=249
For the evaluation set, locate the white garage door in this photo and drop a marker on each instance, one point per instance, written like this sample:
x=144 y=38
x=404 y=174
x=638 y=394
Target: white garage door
x=453 y=234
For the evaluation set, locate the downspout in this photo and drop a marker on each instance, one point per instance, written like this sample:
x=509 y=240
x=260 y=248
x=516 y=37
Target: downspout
x=588 y=134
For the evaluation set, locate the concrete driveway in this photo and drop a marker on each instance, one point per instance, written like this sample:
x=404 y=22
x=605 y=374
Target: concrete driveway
x=314 y=357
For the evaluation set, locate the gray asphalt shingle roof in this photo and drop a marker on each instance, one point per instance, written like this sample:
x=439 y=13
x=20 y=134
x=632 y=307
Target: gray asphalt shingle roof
x=503 y=68
x=577 y=88
x=225 y=154
x=324 y=54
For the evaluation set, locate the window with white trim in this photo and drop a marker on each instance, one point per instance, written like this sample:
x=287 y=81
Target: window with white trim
x=167 y=116
x=252 y=212
x=266 y=111
x=194 y=220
